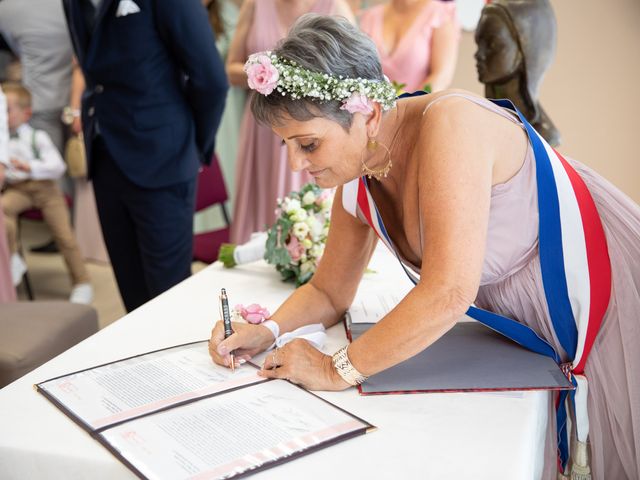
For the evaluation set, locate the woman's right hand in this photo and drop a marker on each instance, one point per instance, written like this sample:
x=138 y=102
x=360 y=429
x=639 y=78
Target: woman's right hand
x=246 y=341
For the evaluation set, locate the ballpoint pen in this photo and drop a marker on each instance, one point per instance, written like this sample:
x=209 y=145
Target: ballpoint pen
x=226 y=317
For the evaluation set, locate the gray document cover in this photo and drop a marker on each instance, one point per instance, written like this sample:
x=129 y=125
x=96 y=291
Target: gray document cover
x=470 y=357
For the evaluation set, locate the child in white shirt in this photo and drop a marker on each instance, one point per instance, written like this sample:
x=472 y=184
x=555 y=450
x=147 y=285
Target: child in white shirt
x=30 y=173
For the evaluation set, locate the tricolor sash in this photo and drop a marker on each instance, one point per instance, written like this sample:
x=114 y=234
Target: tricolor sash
x=575 y=265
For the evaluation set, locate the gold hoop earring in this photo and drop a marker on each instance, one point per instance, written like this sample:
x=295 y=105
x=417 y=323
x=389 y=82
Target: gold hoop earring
x=372 y=146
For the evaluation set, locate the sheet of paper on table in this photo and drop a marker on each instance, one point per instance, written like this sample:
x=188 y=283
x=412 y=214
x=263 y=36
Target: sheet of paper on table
x=174 y=414
x=470 y=357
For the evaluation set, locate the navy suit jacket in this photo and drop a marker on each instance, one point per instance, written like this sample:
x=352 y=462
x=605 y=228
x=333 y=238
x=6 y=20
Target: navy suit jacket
x=155 y=86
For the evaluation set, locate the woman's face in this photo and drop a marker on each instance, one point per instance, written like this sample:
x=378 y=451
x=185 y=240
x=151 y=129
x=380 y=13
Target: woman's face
x=324 y=149
x=498 y=56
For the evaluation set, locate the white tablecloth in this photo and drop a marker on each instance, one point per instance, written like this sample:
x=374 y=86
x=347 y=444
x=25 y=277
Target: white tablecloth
x=439 y=436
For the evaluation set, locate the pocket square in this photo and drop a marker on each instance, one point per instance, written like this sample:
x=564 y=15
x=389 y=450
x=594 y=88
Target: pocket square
x=127 y=7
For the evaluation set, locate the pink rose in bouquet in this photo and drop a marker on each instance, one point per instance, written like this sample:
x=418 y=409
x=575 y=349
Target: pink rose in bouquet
x=295 y=248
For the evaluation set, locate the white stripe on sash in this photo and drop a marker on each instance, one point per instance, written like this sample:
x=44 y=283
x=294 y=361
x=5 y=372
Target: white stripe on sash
x=350 y=196
x=574 y=250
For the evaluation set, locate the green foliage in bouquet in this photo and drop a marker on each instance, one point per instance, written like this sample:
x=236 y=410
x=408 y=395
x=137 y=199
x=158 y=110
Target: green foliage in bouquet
x=295 y=242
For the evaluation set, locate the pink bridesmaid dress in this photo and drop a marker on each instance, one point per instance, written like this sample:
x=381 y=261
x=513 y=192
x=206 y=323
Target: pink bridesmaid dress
x=262 y=172
x=409 y=61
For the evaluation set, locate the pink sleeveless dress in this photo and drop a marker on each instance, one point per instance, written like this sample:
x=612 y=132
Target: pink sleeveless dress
x=511 y=285
x=262 y=172
x=410 y=60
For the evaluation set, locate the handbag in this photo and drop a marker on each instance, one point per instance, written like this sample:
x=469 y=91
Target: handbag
x=75 y=157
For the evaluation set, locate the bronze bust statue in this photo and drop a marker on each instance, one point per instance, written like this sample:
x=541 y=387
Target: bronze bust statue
x=516 y=42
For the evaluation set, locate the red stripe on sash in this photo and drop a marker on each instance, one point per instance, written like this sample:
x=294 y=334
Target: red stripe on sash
x=363 y=202
x=597 y=259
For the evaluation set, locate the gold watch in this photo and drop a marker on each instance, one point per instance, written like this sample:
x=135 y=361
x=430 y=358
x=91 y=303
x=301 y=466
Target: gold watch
x=345 y=368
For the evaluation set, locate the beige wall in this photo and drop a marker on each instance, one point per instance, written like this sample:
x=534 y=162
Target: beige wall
x=592 y=90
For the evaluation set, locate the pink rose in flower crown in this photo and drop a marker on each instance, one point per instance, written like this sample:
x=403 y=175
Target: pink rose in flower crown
x=261 y=74
x=253 y=313
x=357 y=102
x=295 y=248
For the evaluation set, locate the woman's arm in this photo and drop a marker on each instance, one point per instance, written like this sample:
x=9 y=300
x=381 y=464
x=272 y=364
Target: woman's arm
x=455 y=178
x=444 y=56
x=323 y=300
x=75 y=99
x=331 y=290
x=237 y=55
x=454 y=181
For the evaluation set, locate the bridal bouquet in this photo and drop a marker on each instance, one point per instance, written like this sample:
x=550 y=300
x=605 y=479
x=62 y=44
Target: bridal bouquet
x=295 y=242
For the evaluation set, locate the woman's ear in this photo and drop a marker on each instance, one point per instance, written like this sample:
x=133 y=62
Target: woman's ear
x=373 y=122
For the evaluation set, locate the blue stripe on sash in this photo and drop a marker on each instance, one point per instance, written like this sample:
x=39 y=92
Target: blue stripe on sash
x=550 y=240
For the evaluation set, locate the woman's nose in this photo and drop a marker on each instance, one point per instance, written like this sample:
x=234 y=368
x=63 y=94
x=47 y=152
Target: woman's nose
x=297 y=161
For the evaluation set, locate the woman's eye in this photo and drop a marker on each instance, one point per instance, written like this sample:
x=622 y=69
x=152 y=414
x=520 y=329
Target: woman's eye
x=309 y=147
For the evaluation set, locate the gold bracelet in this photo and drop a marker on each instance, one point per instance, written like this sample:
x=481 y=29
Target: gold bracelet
x=345 y=368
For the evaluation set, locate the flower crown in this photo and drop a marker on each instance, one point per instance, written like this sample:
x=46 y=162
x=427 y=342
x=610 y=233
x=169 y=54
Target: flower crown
x=267 y=72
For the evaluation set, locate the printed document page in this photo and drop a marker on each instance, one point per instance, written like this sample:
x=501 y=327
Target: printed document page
x=129 y=388
x=371 y=306
x=226 y=435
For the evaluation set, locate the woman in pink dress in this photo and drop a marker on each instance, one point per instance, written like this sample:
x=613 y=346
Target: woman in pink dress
x=468 y=195
x=417 y=41
x=262 y=173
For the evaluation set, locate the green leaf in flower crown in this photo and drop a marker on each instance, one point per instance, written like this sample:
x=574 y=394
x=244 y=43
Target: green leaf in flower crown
x=426 y=88
x=399 y=87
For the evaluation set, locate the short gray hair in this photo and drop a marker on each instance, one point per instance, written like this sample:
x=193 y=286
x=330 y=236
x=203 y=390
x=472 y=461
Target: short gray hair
x=325 y=44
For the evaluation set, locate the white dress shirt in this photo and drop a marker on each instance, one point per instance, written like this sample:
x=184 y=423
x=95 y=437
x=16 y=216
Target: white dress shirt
x=35 y=148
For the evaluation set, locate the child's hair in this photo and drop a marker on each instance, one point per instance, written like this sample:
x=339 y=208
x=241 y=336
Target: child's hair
x=20 y=91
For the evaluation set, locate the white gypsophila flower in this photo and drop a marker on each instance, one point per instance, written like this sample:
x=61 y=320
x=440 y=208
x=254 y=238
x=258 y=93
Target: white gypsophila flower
x=299 y=215
x=325 y=231
x=300 y=230
x=291 y=205
x=308 y=198
x=299 y=82
x=307 y=267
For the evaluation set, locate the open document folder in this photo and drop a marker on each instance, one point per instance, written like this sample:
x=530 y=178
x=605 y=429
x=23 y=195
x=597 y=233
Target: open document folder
x=469 y=357
x=173 y=414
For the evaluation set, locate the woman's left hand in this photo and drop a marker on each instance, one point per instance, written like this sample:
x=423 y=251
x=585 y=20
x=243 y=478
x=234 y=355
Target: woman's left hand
x=299 y=362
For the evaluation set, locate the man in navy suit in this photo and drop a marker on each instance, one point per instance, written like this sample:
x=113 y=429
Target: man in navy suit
x=155 y=92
